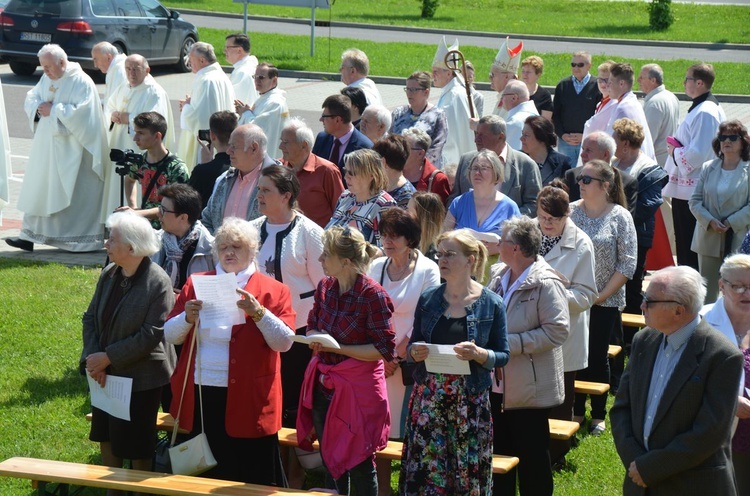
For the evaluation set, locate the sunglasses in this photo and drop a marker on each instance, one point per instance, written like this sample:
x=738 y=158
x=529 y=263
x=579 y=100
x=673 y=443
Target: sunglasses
x=730 y=137
x=587 y=179
x=577 y=64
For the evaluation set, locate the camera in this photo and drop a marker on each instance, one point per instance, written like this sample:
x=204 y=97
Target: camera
x=204 y=135
x=125 y=157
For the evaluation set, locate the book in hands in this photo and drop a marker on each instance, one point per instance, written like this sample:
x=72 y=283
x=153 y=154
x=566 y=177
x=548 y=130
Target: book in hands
x=317 y=337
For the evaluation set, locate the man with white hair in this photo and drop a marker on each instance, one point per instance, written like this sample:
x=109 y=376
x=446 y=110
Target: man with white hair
x=455 y=104
x=270 y=110
x=62 y=187
x=212 y=92
x=662 y=109
x=236 y=192
x=140 y=94
x=620 y=89
x=354 y=69
x=516 y=102
x=108 y=59
x=237 y=53
x=319 y=179
x=673 y=415
x=601 y=146
x=375 y=122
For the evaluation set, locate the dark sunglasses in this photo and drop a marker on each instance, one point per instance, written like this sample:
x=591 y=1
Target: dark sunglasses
x=577 y=64
x=730 y=137
x=587 y=179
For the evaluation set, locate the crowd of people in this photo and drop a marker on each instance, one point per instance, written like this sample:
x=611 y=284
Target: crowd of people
x=515 y=237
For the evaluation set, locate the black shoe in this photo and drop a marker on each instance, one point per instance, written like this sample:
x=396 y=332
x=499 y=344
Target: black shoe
x=20 y=243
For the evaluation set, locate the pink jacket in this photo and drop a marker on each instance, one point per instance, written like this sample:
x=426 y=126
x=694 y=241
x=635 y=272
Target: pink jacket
x=358 y=420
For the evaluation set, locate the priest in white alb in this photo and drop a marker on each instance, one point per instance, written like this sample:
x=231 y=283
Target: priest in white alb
x=62 y=186
x=108 y=59
x=455 y=104
x=5 y=165
x=270 y=111
x=212 y=92
x=237 y=53
x=141 y=94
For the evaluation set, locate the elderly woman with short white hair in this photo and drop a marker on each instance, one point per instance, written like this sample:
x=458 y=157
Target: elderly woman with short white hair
x=239 y=367
x=123 y=336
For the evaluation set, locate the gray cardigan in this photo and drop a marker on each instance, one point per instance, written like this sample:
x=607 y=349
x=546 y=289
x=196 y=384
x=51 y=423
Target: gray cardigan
x=135 y=341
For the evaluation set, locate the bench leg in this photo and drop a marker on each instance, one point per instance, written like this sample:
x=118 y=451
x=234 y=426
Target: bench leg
x=59 y=490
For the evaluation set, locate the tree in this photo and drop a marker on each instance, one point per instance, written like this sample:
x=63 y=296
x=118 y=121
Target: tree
x=429 y=7
x=660 y=14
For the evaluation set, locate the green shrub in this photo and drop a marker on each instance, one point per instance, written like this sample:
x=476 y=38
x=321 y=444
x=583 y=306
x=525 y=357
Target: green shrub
x=660 y=14
x=429 y=7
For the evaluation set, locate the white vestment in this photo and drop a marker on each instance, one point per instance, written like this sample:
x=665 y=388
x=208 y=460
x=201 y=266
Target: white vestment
x=212 y=92
x=242 y=79
x=148 y=96
x=499 y=110
x=372 y=94
x=630 y=108
x=114 y=78
x=271 y=114
x=597 y=122
x=62 y=188
x=515 y=121
x=696 y=133
x=662 y=109
x=5 y=164
x=460 y=137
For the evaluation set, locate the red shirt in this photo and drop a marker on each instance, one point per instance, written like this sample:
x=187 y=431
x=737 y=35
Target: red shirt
x=320 y=187
x=440 y=184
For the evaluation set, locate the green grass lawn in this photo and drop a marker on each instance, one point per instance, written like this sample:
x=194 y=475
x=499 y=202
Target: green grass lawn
x=617 y=19
x=43 y=399
x=401 y=59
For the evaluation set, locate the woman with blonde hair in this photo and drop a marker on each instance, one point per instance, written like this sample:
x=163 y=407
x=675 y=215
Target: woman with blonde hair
x=344 y=401
x=448 y=439
x=429 y=211
x=360 y=205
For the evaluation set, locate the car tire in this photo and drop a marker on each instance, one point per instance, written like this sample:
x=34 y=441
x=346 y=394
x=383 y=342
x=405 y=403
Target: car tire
x=22 y=68
x=183 y=64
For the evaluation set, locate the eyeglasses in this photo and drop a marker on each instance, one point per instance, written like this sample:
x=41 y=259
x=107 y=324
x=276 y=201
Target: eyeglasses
x=260 y=78
x=549 y=219
x=445 y=254
x=226 y=47
x=327 y=116
x=163 y=210
x=577 y=64
x=648 y=302
x=602 y=80
x=412 y=90
x=689 y=79
x=587 y=179
x=480 y=168
x=730 y=137
x=737 y=288
x=508 y=94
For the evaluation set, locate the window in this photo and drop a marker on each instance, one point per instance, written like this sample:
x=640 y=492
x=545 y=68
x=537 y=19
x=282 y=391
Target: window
x=152 y=8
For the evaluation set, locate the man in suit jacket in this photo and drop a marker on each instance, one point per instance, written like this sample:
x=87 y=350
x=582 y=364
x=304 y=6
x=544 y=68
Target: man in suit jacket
x=522 y=179
x=672 y=417
x=337 y=125
x=601 y=146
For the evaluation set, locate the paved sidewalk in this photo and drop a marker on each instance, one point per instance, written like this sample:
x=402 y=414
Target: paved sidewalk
x=304 y=97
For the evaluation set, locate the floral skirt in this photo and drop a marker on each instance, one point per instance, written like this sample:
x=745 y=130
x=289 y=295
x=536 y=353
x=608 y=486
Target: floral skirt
x=448 y=440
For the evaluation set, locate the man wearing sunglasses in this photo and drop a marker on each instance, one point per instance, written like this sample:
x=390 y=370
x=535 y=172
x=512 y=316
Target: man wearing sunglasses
x=575 y=102
x=688 y=150
x=672 y=417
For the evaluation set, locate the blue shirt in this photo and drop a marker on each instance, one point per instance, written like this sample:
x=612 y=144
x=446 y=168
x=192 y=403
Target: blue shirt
x=465 y=213
x=579 y=85
x=666 y=361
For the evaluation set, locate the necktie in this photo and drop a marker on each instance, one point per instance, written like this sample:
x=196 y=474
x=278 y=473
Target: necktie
x=335 y=152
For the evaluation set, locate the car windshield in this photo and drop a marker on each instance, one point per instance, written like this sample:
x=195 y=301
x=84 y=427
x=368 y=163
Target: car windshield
x=56 y=8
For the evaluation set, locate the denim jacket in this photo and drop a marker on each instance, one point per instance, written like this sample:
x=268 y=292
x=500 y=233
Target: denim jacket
x=485 y=322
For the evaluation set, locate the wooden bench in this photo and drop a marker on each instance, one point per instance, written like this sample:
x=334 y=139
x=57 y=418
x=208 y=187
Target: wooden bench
x=596 y=388
x=633 y=320
x=49 y=471
x=562 y=429
x=613 y=350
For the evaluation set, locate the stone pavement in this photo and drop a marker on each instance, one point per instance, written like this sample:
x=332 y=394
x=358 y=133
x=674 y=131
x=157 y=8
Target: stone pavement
x=304 y=97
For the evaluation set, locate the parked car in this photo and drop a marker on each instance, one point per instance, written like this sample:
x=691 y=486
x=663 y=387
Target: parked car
x=145 y=27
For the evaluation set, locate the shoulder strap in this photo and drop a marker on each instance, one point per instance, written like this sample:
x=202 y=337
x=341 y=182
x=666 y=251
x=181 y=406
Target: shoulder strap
x=432 y=178
x=382 y=272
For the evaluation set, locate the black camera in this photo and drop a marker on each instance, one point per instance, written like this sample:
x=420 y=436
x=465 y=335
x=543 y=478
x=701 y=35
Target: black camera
x=204 y=135
x=125 y=157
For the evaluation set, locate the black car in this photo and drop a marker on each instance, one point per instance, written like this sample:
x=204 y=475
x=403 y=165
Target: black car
x=145 y=27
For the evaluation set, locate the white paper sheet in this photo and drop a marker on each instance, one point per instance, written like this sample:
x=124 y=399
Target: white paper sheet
x=114 y=397
x=219 y=296
x=443 y=360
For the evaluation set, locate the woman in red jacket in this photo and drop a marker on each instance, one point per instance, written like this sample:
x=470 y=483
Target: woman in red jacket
x=239 y=366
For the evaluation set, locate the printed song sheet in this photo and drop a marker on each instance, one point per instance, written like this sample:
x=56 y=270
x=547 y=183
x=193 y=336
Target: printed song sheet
x=114 y=397
x=219 y=296
x=443 y=360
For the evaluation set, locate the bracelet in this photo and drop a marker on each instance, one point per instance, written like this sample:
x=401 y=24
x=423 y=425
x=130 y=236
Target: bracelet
x=259 y=314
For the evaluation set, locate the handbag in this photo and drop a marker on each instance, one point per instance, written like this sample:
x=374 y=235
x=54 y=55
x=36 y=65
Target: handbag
x=194 y=456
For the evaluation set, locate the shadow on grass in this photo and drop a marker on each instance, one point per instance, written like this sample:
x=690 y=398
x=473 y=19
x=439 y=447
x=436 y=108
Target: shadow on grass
x=614 y=29
x=403 y=18
x=39 y=389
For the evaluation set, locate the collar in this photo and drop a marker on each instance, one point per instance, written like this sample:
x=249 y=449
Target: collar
x=504 y=153
x=344 y=139
x=655 y=92
x=702 y=98
x=242 y=276
x=583 y=81
x=622 y=97
x=680 y=336
x=244 y=60
x=309 y=165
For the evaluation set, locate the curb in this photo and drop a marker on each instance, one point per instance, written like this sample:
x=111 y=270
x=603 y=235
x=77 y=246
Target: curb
x=441 y=31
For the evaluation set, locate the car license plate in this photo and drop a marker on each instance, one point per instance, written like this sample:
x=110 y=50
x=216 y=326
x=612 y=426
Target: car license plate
x=40 y=37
